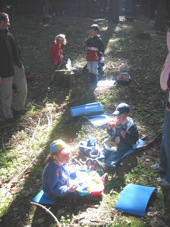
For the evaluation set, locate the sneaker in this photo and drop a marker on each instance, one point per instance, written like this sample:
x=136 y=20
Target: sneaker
x=158 y=168
x=104 y=177
x=100 y=167
x=19 y=112
x=9 y=120
x=162 y=182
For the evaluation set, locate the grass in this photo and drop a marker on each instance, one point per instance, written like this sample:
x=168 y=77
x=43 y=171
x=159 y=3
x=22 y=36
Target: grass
x=48 y=114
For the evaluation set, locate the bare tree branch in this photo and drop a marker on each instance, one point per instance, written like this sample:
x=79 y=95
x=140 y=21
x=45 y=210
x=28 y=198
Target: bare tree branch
x=47 y=210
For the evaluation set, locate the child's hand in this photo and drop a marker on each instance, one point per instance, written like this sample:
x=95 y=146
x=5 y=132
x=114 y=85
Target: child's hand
x=73 y=188
x=123 y=133
x=61 y=57
x=86 y=48
x=111 y=125
x=1 y=82
x=97 y=58
x=56 y=62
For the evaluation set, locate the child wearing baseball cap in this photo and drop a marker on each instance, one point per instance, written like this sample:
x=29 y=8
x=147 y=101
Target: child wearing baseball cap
x=55 y=177
x=58 y=179
x=123 y=134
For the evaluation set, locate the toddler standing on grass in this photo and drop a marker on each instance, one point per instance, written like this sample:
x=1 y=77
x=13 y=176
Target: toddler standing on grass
x=95 y=50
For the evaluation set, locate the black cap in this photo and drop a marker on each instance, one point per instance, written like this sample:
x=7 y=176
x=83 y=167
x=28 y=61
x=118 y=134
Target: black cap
x=122 y=108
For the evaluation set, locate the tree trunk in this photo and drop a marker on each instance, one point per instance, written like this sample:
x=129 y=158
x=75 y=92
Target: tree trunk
x=46 y=7
x=160 y=20
x=58 y=7
x=151 y=9
x=2 y=5
x=168 y=10
x=130 y=9
x=146 y=8
x=114 y=11
x=90 y=9
x=104 y=5
x=83 y=8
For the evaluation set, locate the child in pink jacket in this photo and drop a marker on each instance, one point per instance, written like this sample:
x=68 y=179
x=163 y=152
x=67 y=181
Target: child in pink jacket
x=164 y=163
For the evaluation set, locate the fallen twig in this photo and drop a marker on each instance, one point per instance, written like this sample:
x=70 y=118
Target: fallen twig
x=136 y=83
x=150 y=142
x=47 y=210
x=18 y=177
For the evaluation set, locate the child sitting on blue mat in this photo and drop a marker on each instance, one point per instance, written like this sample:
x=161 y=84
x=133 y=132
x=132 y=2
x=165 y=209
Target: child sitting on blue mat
x=55 y=177
x=124 y=134
x=57 y=174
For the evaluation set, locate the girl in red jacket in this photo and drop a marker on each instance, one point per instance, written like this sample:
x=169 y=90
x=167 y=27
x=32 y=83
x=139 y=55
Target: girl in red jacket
x=55 y=51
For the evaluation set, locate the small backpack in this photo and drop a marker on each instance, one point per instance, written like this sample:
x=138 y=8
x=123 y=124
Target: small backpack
x=123 y=78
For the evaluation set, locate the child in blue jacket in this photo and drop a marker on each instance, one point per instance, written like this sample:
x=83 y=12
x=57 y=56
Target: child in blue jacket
x=56 y=174
x=123 y=134
x=58 y=179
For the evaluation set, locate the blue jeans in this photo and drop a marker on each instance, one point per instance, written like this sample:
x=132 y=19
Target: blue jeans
x=165 y=146
x=92 y=67
x=113 y=157
x=93 y=70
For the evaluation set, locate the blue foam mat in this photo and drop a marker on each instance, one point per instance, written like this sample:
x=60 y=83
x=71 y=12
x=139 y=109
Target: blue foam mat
x=100 y=119
x=138 y=145
x=42 y=198
x=134 y=199
x=86 y=109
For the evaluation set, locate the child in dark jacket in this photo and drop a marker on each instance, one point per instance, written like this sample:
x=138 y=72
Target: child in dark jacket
x=95 y=50
x=124 y=134
x=55 y=51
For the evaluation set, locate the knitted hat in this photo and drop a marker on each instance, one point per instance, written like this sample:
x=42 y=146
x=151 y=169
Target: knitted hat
x=60 y=146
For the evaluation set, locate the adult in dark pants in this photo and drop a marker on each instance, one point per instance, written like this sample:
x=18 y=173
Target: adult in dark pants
x=11 y=69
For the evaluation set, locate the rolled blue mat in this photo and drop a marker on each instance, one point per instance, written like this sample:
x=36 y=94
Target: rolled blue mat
x=134 y=199
x=86 y=109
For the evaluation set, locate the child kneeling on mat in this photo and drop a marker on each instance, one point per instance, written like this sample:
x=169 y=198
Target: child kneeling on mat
x=58 y=179
x=124 y=134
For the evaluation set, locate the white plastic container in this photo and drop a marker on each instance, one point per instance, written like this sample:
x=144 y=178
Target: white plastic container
x=68 y=65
